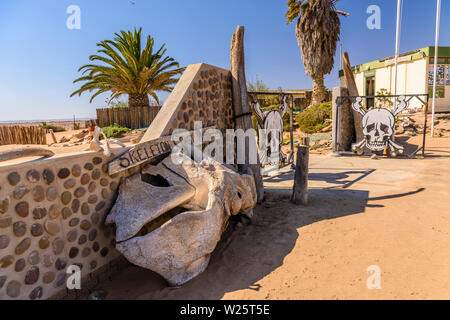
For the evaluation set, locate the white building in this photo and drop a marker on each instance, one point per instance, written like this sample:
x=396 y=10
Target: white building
x=415 y=76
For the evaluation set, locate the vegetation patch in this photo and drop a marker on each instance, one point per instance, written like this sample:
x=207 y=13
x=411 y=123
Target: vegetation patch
x=315 y=118
x=52 y=127
x=114 y=130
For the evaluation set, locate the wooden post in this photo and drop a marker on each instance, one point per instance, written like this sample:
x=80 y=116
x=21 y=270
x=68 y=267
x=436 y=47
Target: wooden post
x=300 y=190
x=353 y=91
x=52 y=134
x=242 y=108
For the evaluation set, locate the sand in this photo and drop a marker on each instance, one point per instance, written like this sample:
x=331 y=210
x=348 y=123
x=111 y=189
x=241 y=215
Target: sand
x=392 y=213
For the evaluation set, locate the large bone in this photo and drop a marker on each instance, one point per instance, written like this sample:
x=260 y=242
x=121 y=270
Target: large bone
x=178 y=244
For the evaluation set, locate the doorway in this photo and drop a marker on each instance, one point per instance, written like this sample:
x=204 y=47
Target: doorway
x=370 y=91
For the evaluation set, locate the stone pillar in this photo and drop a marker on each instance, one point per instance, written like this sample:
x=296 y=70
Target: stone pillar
x=343 y=125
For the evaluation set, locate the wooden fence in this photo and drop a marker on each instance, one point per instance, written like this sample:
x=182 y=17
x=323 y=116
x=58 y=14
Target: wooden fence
x=22 y=135
x=133 y=118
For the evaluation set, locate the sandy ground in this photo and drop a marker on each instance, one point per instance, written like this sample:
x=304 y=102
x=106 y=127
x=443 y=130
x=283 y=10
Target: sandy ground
x=392 y=213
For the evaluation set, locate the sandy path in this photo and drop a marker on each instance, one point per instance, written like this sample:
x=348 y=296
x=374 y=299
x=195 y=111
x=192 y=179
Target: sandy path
x=393 y=213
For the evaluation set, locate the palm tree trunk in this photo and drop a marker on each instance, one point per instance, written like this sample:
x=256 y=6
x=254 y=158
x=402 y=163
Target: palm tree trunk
x=319 y=91
x=138 y=100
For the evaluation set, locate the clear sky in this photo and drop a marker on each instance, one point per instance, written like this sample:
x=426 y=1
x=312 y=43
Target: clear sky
x=40 y=56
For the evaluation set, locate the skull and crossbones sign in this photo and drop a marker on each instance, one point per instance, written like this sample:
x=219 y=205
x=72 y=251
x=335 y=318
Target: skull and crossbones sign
x=378 y=128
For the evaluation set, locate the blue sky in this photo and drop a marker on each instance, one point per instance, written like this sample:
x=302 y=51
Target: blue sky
x=40 y=56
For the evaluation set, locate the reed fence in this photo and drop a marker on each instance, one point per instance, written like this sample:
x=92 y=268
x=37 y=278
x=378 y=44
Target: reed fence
x=133 y=118
x=22 y=135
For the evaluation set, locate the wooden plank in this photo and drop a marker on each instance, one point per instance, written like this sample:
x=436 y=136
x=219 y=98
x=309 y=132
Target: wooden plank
x=144 y=153
x=353 y=91
x=300 y=190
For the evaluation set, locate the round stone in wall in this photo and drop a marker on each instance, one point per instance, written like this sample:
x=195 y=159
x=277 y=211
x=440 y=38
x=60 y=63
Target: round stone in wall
x=92 y=199
x=6 y=261
x=73 y=222
x=96 y=174
x=85 y=178
x=100 y=205
x=66 y=213
x=19 y=228
x=48 y=176
x=68 y=184
x=4 y=205
x=89 y=166
x=73 y=252
x=13 y=289
x=75 y=205
x=58 y=246
x=104 y=182
x=85 y=208
x=22 y=209
x=52 y=227
x=48 y=260
x=60 y=264
x=66 y=197
x=53 y=211
x=92 y=234
x=72 y=235
x=20 y=192
x=95 y=218
x=48 y=277
x=93 y=264
x=4 y=241
x=97 y=160
x=95 y=246
x=60 y=280
x=34 y=258
x=44 y=242
x=20 y=265
x=36 y=293
x=39 y=213
x=85 y=225
x=92 y=186
x=38 y=193
x=32 y=275
x=86 y=252
x=79 y=192
x=63 y=173
x=52 y=193
x=82 y=239
x=36 y=230
x=13 y=178
x=76 y=170
x=23 y=246
x=104 y=252
x=5 y=222
x=33 y=176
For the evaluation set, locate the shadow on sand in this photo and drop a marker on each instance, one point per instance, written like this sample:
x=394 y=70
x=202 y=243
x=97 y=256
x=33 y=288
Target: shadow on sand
x=248 y=253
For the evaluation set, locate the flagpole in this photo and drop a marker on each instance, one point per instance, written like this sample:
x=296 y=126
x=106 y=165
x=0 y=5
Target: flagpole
x=436 y=56
x=397 y=44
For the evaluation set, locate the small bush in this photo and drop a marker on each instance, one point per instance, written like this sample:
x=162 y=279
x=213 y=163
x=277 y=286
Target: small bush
x=115 y=130
x=52 y=127
x=314 y=119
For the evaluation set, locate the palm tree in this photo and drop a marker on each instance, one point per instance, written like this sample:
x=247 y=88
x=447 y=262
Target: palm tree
x=127 y=69
x=317 y=31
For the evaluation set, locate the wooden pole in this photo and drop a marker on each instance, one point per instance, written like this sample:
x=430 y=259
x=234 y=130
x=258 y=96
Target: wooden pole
x=52 y=134
x=353 y=91
x=300 y=190
x=242 y=108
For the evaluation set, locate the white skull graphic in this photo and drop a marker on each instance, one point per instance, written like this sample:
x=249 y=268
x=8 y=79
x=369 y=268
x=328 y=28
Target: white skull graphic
x=378 y=127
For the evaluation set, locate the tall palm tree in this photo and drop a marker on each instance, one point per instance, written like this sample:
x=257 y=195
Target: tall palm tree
x=317 y=31
x=127 y=69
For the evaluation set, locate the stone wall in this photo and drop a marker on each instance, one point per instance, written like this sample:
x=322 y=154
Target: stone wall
x=203 y=93
x=52 y=210
x=51 y=216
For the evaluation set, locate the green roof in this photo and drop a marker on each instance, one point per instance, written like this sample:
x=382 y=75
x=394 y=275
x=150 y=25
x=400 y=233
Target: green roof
x=413 y=55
